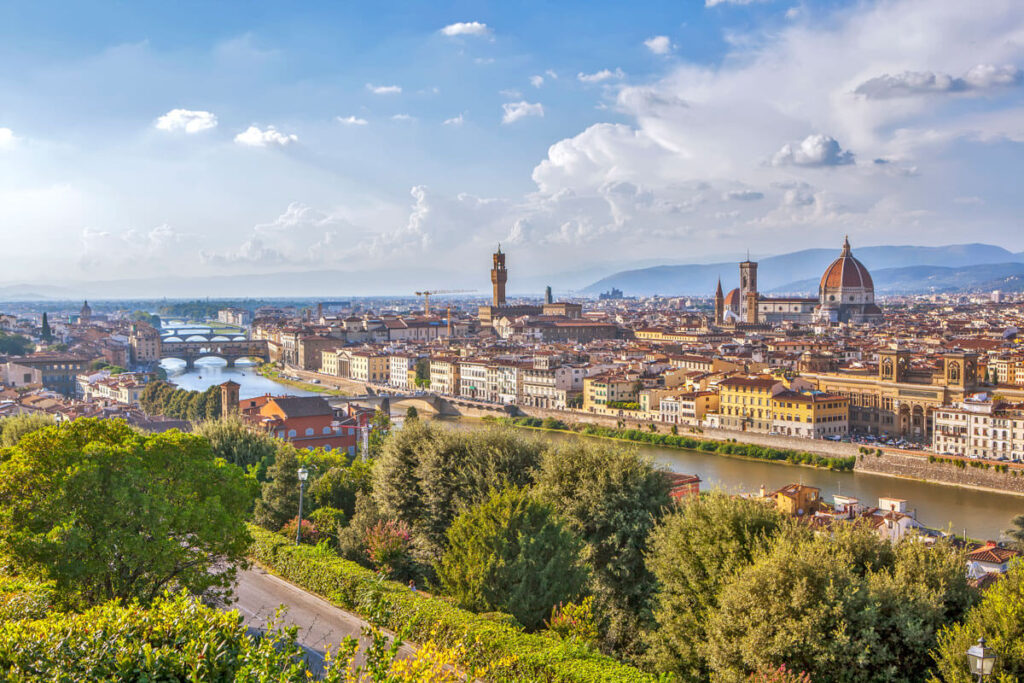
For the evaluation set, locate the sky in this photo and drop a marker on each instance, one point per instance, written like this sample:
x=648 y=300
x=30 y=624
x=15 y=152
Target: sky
x=142 y=139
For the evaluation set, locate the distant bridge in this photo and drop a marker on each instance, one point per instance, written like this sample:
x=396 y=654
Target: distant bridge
x=429 y=402
x=230 y=351
x=185 y=335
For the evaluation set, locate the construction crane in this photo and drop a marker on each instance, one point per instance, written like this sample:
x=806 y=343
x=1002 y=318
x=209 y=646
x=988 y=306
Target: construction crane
x=426 y=296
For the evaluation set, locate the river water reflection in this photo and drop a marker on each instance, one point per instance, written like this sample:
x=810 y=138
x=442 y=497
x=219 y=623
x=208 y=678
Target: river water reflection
x=983 y=514
x=209 y=372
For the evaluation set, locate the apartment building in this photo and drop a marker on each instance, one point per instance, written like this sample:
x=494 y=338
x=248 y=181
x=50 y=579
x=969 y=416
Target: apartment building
x=745 y=403
x=550 y=387
x=811 y=414
x=399 y=365
x=688 y=408
x=444 y=375
x=366 y=366
x=980 y=427
x=473 y=380
x=605 y=388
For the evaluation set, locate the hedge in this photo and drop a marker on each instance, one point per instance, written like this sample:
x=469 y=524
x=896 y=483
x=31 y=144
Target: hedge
x=172 y=639
x=678 y=441
x=487 y=640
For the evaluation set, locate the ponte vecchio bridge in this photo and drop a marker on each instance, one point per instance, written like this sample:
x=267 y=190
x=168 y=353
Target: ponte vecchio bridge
x=229 y=350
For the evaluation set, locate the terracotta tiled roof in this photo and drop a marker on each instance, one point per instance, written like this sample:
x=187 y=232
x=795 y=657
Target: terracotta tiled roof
x=846 y=271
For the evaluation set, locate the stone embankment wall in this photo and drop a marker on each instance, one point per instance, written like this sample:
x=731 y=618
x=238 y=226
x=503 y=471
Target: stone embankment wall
x=817 y=446
x=914 y=466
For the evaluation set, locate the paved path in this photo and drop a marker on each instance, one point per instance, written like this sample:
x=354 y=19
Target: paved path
x=258 y=595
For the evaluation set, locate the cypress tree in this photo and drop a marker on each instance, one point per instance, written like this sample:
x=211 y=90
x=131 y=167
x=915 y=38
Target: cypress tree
x=47 y=333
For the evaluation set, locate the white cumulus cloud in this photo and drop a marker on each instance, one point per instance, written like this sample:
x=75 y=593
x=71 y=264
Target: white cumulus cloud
x=186 y=120
x=814 y=150
x=536 y=81
x=466 y=28
x=455 y=121
x=601 y=76
x=515 y=111
x=659 y=45
x=384 y=89
x=253 y=136
x=403 y=117
x=6 y=137
x=351 y=120
x=908 y=83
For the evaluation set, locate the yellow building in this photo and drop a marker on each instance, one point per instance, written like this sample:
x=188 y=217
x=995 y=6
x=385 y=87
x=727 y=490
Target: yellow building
x=812 y=414
x=444 y=376
x=369 y=367
x=797 y=500
x=745 y=403
x=600 y=390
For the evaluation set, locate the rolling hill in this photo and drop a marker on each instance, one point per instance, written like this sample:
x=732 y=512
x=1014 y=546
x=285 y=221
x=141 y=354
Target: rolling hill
x=793 y=272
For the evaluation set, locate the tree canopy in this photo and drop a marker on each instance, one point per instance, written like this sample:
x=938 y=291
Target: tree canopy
x=692 y=553
x=611 y=497
x=426 y=475
x=106 y=512
x=15 y=344
x=512 y=554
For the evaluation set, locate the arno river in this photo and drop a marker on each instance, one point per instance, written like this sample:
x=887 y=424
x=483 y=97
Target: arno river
x=981 y=513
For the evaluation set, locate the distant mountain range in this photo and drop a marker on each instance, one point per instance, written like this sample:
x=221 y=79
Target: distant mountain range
x=905 y=269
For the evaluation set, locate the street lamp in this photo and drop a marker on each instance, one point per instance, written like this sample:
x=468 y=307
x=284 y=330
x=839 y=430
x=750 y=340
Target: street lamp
x=303 y=476
x=981 y=659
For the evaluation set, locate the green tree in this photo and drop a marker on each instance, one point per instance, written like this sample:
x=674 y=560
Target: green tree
x=426 y=475
x=14 y=427
x=46 y=334
x=1016 y=532
x=380 y=427
x=411 y=413
x=512 y=554
x=279 y=498
x=824 y=605
x=692 y=553
x=352 y=538
x=15 y=344
x=999 y=618
x=106 y=512
x=238 y=443
x=339 y=486
x=612 y=498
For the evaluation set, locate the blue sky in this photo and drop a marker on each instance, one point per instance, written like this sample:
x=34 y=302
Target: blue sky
x=143 y=139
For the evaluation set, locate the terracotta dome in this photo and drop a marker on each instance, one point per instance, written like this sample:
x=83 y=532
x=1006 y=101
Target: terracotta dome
x=732 y=299
x=846 y=271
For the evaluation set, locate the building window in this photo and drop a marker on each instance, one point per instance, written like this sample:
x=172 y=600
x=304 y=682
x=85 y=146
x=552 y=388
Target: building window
x=291 y=433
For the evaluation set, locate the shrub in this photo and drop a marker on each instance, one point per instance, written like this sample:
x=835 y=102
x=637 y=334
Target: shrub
x=575 y=621
x=310 y=534
x=387 y=547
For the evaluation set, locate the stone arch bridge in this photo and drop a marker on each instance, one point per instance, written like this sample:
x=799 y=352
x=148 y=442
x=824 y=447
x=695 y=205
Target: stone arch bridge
x=230 y=351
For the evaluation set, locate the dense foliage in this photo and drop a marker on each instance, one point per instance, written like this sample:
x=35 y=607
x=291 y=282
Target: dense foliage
x=162 y=398
x=14 y=427
x=511 y=554
x=426 y=475
x=999 y=618
x=174 y=638
x=106 y=512
x=238 y=443
x=846 y=607
x=279 y=499
x=612 y=498
x=508 y=654
x=15 y=344
x=693 y=553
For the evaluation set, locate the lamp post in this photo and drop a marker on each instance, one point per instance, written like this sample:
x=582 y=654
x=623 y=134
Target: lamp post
x=303 y=476
x=981 y=659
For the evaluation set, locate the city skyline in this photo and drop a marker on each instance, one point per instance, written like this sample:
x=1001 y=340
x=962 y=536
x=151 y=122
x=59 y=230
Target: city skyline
x=195 y=141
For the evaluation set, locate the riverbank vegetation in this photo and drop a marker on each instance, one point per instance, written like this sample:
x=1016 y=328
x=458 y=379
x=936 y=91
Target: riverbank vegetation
x=673 y=440
x=164 y=398
x=516 y=558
